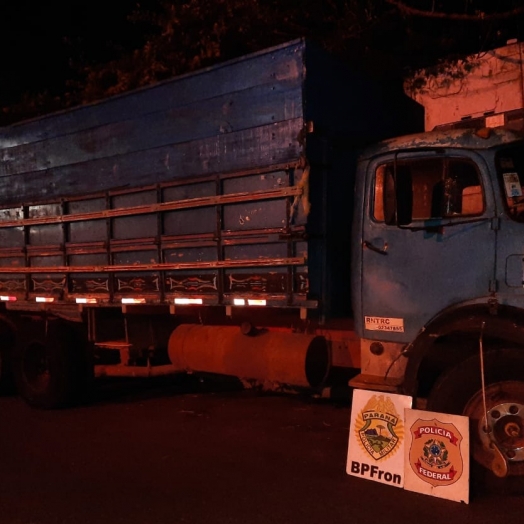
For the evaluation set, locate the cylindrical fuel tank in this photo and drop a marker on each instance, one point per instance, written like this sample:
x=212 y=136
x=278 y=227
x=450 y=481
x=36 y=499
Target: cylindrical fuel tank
x=288 y=358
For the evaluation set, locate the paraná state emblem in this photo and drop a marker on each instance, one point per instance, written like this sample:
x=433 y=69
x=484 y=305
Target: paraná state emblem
x=379 y=427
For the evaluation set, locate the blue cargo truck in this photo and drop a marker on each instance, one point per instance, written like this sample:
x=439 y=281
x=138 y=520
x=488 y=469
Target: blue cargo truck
x=237 y=221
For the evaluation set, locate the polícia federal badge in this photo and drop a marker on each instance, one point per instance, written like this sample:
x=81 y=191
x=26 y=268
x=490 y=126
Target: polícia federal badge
x=435 y=454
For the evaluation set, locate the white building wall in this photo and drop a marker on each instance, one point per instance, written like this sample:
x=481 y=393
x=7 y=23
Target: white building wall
x=484 y=84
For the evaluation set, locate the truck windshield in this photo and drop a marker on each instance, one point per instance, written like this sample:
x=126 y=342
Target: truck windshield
x=510 y=167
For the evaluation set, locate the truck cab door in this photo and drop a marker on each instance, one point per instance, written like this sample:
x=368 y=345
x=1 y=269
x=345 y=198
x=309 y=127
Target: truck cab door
x=427 y=242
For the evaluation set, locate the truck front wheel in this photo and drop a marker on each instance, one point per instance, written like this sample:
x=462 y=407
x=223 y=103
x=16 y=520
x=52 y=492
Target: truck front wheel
x=6 y=351
x=49 y=364
x=496 y=430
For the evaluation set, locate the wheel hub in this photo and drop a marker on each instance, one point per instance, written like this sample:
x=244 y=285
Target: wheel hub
x=498 y=442
x=36 y=368
x=504 y=427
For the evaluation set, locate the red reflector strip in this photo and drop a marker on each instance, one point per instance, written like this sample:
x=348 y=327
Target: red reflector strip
x=7 y=299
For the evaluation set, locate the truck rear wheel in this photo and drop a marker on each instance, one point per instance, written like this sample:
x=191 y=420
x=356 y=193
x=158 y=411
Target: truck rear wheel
x=50 y=366
x=6 y=349
x=497 y=437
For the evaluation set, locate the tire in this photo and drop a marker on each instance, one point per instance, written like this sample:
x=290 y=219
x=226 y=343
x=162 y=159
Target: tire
x=49 y=366
x=459 y=391
x=7 y=385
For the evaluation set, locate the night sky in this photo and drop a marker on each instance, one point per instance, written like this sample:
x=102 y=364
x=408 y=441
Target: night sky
x=43 y=44
x=38 y=41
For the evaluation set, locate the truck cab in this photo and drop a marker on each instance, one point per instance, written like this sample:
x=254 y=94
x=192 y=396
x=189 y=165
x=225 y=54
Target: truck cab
x=439 y=282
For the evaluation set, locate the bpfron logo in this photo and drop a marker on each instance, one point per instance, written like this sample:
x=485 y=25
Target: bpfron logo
x=379 y=427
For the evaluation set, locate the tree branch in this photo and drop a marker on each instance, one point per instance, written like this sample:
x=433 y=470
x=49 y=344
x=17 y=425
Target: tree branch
x=408 y=10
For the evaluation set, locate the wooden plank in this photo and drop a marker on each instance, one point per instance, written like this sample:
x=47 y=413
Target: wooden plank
x=55 y=268
x=249 y=149
x=265 y=67
x=191 y=203
x=256 y=107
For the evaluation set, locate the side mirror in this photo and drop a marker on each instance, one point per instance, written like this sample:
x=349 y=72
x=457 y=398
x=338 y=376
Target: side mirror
x=398 y=197
x=404 y=197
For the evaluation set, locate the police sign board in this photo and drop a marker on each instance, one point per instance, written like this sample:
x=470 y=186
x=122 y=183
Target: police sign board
x=437 y=454
x=376 y=437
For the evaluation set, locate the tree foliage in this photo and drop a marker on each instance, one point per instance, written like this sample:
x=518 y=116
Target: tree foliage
x=384 y=38
x=187 y=35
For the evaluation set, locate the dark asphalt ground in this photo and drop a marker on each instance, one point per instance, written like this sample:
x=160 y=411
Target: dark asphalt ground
x=192 y=452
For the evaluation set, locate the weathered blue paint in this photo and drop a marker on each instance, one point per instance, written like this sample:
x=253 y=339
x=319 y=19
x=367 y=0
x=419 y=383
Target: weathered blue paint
x=456 y=262
x=234 y=129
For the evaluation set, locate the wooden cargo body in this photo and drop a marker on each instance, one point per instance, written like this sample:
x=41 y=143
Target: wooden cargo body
x=208 y=188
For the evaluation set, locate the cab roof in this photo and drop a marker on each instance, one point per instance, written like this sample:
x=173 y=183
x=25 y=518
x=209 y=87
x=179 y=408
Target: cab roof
x=485 y=138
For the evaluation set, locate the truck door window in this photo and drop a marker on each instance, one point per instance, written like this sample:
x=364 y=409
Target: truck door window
x=510 y=167
x=441 y=188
